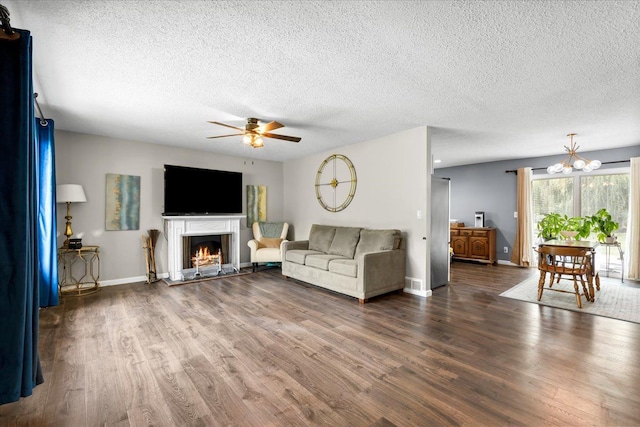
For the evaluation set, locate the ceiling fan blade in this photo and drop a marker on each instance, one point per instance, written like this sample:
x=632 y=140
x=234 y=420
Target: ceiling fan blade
x=224 y=136
x=284 y=137
x=229 y=126
x=271 y=126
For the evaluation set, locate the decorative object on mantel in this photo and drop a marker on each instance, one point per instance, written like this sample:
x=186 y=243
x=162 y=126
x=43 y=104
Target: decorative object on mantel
x=69 y=193
x=122 y=202
x=579 y=162
x=335 y=170
x=256 y=204
x=149 y=247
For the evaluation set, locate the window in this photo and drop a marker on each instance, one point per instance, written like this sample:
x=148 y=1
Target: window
x=583 y=194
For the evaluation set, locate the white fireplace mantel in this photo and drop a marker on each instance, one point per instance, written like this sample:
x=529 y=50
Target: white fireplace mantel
x=179 y=226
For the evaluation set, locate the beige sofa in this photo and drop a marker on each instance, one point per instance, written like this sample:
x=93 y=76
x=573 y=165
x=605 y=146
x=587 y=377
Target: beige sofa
x=353 y=261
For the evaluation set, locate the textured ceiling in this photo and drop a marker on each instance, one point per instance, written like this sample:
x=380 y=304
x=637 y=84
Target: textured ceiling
x=496 y=80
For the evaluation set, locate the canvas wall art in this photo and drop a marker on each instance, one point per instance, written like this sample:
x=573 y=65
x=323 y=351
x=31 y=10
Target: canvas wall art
x=122 y=202
x=256 y=204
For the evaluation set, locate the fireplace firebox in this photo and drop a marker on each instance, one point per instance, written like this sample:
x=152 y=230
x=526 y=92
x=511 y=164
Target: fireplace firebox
x=203 y=251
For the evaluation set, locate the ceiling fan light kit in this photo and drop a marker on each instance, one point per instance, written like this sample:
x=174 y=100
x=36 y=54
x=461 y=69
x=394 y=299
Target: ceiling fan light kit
x=579 y=162
x=254 y=132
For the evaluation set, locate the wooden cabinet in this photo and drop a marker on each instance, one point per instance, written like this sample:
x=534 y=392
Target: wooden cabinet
x=474 y=243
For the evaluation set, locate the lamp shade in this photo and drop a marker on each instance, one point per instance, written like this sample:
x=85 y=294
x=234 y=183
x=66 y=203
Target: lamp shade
x=70 y=193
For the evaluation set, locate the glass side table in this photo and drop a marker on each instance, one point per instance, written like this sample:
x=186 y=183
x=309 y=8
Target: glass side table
x=78 y=270
x=607 y=259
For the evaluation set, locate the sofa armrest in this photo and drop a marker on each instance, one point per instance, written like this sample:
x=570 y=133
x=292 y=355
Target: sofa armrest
x=290 y=245
x=382 y=269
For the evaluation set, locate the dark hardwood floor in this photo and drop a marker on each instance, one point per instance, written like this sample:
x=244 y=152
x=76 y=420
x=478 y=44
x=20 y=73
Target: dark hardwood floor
x=257 y=350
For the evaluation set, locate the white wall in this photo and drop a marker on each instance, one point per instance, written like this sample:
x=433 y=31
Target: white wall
x=392 y=186
x=86 y=159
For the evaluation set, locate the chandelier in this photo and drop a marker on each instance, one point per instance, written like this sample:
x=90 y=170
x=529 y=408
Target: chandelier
x=579 y=162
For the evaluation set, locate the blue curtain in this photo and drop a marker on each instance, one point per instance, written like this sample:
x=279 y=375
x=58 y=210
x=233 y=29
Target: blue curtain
x=47 y=241
x=20 y=266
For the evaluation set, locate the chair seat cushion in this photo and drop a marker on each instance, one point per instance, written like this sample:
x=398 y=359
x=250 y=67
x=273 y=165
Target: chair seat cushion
x=268 y=255
x=269 y=242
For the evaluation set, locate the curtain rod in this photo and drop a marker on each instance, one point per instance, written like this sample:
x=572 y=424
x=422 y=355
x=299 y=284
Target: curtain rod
x=539 y=169
x=6 y=26
x=43 y=121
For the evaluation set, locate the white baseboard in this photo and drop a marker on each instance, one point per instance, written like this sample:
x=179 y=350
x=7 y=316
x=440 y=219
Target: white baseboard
x=424 y=294
x=126 y=280
x=505 y=262
x=415 y=286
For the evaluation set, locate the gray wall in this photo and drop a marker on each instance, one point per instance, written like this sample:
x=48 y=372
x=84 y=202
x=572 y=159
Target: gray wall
x=86 y=159
x=486 y=187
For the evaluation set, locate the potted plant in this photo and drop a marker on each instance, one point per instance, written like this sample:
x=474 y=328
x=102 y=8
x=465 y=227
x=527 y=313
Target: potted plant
x=554 y=225
x=550 y=226
x=580 y=226
x=604 y=226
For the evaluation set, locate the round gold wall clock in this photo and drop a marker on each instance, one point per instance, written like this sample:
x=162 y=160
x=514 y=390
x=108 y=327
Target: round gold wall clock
x=336 y=183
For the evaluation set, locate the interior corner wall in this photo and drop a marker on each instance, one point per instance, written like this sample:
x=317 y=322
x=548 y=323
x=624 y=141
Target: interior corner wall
x=86 y=159
x=486 y=187
x=392 y=186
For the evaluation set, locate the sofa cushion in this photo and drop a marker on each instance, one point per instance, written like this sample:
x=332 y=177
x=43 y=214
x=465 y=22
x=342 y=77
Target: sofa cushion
x=299 y=256
x=344 y=267
x=320 y=237
x=269 y=242
x=345 y=241
x=320 y=261
x=378 y=240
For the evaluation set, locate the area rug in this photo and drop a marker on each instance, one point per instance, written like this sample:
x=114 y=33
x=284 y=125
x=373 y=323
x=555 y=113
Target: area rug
x=614 y=299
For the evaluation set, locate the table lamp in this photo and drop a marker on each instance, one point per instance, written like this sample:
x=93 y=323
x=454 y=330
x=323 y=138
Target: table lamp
x=69 y=193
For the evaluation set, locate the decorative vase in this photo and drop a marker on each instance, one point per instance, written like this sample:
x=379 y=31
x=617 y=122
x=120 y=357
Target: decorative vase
x=609 y=239
x=569 y=235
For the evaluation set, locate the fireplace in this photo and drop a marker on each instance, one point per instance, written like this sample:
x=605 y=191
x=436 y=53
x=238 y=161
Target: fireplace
x=204 y=251
x=221 y=235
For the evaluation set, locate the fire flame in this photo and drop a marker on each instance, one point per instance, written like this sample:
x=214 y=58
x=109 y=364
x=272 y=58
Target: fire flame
x=202 y=256
x=202 y=253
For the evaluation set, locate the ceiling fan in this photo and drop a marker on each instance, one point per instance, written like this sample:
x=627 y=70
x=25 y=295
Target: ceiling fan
x=254 y=131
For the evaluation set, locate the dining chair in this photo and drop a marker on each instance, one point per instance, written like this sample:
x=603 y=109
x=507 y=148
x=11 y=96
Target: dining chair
x=565 y=261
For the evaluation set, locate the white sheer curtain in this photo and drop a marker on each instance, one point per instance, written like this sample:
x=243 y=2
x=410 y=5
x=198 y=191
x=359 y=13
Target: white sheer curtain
x=633 y=228
x=522 y=248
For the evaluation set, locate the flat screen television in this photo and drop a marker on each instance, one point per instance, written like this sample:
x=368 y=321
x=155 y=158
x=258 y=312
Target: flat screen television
x=193 y=191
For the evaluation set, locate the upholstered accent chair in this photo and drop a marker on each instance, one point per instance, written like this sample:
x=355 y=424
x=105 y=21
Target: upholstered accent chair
x=267 y=240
